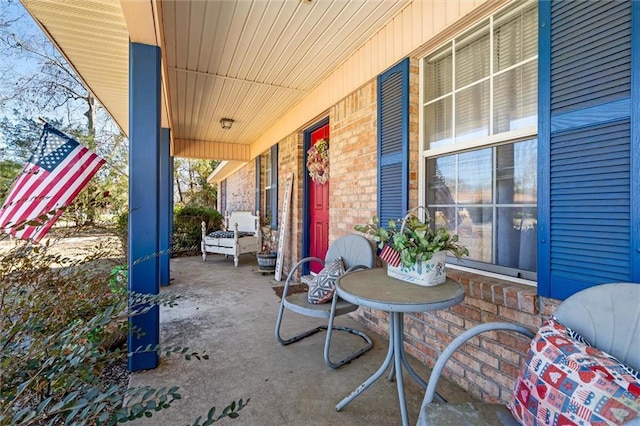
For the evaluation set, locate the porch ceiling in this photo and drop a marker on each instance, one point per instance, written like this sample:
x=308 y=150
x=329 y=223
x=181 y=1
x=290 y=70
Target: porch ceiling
x=248 y=60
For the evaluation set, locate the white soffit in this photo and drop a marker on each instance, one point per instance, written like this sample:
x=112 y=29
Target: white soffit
x=254 y=60
x=93 y=37
x=249 y=60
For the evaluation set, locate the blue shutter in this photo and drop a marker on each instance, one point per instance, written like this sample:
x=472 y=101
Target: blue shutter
x=585 y=144
x=393 y=142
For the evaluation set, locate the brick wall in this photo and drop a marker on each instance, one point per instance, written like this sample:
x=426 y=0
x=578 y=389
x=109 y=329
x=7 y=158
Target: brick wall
x=488 y=365
x=290 y=155
x=241 y=194
x=353 y=160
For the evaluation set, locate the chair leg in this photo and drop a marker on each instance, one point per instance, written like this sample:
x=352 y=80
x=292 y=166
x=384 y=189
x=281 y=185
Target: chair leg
x=293 y=339
x=327 y=344
x=348 y=359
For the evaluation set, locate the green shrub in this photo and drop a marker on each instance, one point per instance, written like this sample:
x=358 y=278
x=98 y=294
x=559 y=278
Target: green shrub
x=186 y=227
x=57 y=314
x=122 y=229
x=187 y=221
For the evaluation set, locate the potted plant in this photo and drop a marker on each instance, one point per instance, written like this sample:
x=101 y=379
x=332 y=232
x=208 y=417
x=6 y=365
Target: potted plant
x=268 y=254
x=416 y=251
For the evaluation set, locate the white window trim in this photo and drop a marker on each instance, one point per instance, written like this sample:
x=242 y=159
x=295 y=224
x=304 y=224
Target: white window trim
x=267 y=169
x=488 y=140
x=455 y=148
x=513 y=136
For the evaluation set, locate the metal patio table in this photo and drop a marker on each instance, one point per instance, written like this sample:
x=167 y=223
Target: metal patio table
x=373 y=288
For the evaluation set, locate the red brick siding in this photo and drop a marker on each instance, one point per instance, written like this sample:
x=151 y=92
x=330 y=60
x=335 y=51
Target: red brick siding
x=353 y=160
x=240 y=195
x=486 y=366
x=290 y=156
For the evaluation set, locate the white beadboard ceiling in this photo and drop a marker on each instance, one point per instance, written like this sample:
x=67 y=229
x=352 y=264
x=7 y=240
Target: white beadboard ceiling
x=248 y=60
x=252 y=61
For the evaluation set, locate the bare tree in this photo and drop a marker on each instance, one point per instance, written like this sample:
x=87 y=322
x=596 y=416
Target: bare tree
x=191 y=182
x=37 y=78
x=38 y=82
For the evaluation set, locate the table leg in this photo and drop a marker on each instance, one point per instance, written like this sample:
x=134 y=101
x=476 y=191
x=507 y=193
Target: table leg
x=392 y=372
x=398 y=350
x=371 y=379
x=413 y=373
x=405 y=361
x=397 y=353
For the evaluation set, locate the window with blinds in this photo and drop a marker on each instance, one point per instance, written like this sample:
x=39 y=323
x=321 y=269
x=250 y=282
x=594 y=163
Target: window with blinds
x=484 y=82
x=479 y=130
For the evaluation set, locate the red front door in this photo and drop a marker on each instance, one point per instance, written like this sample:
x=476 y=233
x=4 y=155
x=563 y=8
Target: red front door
x=319 y=210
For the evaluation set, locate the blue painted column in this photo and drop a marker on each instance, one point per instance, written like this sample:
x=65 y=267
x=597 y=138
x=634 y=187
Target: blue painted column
x=166 y=204
x=171 y=197
x=144 y=195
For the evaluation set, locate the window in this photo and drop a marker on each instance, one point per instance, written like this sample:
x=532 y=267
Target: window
x=479 y=125
x=269 y=198
x=267 y=185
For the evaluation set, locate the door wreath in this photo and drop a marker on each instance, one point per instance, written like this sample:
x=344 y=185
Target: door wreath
x=318 y=161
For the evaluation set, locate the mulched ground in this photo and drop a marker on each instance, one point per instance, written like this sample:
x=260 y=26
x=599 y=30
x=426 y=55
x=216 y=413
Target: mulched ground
x=293 y=288
x=116 y=374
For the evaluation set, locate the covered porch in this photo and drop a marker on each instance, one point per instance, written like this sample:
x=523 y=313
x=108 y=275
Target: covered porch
x=169 y=72
x=230 y=313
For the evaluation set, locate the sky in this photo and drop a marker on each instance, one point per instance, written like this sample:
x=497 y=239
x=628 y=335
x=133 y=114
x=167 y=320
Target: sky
x=22 y=24
x=16 y=21
x=16 y=66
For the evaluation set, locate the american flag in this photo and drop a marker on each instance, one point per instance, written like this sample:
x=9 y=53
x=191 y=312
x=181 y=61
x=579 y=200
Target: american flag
x=51 y=179
x=390 y=255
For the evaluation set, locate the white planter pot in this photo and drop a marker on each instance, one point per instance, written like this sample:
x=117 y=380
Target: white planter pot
x=425 y=272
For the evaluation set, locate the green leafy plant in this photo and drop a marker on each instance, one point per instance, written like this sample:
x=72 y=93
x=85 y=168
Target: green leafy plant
x=58 y=314
x=415 y=239
x=187 y=233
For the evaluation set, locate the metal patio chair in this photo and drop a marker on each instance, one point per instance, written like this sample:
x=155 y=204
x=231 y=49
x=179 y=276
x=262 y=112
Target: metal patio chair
x=357 y=253
x=607 y=316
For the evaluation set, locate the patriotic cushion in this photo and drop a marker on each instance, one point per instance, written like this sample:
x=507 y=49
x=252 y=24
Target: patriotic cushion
x=567 y=382
x=324 y=284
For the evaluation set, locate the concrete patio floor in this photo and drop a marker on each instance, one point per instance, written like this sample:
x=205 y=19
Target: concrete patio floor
x=230 y=313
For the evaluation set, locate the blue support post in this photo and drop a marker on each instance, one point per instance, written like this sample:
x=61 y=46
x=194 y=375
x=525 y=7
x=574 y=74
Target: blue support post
x=166 y=205
x=171 y=197
x=144 y=196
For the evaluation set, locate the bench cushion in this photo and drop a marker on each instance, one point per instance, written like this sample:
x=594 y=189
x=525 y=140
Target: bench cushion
x=226 y=234
x=566 y=381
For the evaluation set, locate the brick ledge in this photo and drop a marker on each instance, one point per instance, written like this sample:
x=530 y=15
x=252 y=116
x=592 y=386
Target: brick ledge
x=501 y=292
